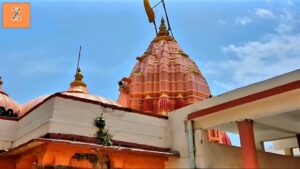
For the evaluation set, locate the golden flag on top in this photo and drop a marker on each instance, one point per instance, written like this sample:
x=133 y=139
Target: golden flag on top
x=149 y=11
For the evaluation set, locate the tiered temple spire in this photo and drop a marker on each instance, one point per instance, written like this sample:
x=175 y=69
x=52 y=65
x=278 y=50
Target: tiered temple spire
x=163 y=29
x=164 y=78
x=164 y=33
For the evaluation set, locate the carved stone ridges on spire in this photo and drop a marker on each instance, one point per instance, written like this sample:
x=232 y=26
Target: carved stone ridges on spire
x=163 y=70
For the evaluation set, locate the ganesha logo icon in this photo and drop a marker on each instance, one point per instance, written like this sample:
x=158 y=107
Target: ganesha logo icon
x=16 y=15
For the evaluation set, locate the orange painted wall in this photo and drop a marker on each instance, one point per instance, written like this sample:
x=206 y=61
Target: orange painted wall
x=57 y=154
x=7 y=163
x=126 y=160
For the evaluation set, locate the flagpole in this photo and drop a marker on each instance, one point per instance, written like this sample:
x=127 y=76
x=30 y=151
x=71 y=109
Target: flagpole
x=155 y=27
x=164 y=5
x=78 y=60
x=150 y=14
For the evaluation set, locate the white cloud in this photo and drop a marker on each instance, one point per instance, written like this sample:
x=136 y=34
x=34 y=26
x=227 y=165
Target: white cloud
x=289 y=3
x=222 y=22
x=289 y=22
x=243 y=20
x=254 y=61
x=257 y=60
x=264 y=13
x=223 y=85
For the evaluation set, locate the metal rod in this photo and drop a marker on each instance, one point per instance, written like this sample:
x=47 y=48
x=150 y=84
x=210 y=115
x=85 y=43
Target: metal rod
x=164 y=5
x=156 y=4
x=78 y=58
x=155 y=27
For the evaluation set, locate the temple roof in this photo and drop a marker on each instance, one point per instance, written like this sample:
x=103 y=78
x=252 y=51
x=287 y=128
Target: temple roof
x=31 y=104
x=7 y=103
x=77 y=89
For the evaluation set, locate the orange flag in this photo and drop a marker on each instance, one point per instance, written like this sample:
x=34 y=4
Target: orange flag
x=149 y=11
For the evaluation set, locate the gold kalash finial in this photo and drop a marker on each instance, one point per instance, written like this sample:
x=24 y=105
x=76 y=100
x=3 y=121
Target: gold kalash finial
x=163 y=33
x=78 y=85
x=78 y=79
x=163 y=29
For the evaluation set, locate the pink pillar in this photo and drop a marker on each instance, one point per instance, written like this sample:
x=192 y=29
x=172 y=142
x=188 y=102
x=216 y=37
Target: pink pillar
x=247 y=144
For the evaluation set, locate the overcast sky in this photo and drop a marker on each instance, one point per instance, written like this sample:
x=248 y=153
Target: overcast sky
x=234 y=43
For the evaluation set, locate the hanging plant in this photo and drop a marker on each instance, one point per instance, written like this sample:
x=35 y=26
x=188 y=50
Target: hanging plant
x=103 y=136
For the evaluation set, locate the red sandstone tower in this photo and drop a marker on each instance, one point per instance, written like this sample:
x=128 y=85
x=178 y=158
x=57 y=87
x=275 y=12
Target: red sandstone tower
x=163 y=79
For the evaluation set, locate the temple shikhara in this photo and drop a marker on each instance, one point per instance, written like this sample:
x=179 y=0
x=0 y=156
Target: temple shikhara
x=165 y=117
x=164 y=78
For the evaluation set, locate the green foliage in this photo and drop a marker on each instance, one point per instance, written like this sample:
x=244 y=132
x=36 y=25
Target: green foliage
x=103 y=136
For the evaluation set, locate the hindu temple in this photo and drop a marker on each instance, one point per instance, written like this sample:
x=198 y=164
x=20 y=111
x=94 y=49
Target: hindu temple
x=165 y=117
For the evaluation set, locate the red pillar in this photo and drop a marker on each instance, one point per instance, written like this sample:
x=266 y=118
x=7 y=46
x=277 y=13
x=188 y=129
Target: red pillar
x=247 y=144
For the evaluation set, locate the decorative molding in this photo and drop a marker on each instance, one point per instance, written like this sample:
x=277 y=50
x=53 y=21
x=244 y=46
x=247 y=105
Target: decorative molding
x=160 y=38
x=85 y=139
x=168 y=81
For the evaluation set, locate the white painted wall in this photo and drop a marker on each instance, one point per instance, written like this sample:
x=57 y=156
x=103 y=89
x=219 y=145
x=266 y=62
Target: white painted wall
x=60 y=115
x=7 y=130
x=35 y=124
x=213 y=155
x=285 y=143
x=75 y=117
x=179 y=138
